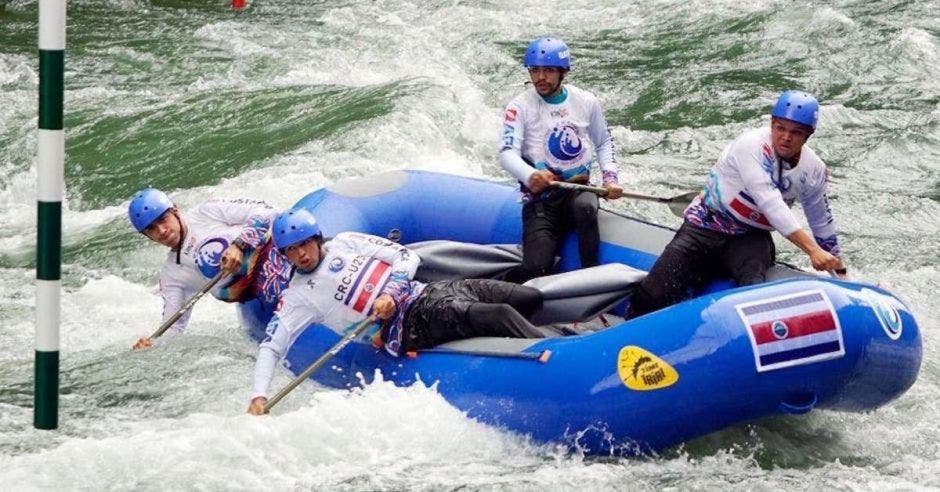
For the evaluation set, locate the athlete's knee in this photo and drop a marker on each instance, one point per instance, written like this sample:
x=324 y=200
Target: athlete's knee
x=751 y=271
x=481 y=314
x=501 y=320
x=526 y=299
x=644 y=299
x=656 y=292
x=585 y=208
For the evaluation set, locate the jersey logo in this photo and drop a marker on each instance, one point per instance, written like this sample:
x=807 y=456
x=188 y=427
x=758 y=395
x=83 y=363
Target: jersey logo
x=337 y=264
x=209 y=256
x=564 y=143
x=510 y=115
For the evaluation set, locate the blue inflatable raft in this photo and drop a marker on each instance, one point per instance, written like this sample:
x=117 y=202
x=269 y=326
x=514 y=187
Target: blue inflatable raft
x=795 y=343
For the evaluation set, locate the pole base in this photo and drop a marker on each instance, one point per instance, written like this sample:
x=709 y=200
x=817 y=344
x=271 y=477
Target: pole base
x=46 y=409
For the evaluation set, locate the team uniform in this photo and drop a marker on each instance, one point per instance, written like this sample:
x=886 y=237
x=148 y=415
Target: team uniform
x=726 y=230
x=557 y=134
x=211 y=228
x=356 y=269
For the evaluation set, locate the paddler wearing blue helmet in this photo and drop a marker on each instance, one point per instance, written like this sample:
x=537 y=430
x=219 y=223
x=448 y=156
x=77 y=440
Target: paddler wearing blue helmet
x=342 y=282
x=219 y=235
x=748 y=194
x=555 y=132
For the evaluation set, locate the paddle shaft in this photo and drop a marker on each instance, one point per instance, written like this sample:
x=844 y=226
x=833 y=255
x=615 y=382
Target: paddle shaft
x=192 y=300
x=676 y=204
x=358 y=330
x=580 y=187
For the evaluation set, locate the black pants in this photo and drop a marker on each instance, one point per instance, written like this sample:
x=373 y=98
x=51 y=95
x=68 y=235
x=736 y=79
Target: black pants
x=696 y=256
x=546 y=221
x=454 y=310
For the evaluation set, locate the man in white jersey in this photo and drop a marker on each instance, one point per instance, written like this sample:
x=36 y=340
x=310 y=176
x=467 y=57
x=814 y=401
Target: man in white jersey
x=218 y=234
x=749 y=192
x=544 y=137
x=340 y=282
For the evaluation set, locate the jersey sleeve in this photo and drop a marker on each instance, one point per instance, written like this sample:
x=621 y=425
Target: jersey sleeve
x=254 y=216
x=765 y=194
x=264 y=372
x=603 y=141
x=512 y=134
x=815 y=202
x=175 y=293
x=290 y=319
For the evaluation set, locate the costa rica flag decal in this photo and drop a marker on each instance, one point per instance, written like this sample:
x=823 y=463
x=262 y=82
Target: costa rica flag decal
x=791 y=330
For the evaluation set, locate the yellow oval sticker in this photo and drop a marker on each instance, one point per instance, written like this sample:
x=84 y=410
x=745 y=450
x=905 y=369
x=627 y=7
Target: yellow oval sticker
x=642 y=371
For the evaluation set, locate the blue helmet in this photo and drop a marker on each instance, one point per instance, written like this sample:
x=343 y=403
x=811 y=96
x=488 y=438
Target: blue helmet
x=797 y=106
x=147 y=206
x=294 y=226
x=547 y=52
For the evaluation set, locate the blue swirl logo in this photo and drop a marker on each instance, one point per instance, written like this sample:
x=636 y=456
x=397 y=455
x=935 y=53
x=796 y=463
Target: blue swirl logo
x=209 y=256
x=564 y=143
x=888 y=315
x=336 y=264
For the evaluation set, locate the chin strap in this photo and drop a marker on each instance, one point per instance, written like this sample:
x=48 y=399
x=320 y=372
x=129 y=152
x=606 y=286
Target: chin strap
x=179 y=245
x=780 y=173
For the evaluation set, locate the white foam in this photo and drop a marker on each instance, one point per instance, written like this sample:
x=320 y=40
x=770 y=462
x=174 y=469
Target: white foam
x=921 y=46
x=372 y=437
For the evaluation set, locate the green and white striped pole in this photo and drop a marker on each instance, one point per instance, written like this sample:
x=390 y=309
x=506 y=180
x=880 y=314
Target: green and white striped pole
x=50 y=172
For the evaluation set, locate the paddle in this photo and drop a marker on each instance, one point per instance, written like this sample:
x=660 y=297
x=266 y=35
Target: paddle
x=676 y=204
x=192 y=300
x=361 y=327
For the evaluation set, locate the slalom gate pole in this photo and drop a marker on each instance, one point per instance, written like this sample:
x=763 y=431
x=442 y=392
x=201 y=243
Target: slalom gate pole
x=50 y=173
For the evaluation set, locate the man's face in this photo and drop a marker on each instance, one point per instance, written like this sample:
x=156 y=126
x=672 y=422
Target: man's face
x=788 y=137
x=304 y=255
x=166 y=230
x=547 y=80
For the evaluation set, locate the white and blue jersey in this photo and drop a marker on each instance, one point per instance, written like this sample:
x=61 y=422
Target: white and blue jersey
x=210 y=228
x=354 y=271
x=749 y=186
x=560 y=134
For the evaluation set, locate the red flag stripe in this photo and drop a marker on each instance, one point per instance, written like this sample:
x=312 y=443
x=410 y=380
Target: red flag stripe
x=746 y=212
x=364 y=293
x=804 y=324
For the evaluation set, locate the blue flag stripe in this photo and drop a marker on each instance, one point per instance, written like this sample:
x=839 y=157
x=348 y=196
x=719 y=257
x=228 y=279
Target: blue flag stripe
x=801 y=353
x=782 y=304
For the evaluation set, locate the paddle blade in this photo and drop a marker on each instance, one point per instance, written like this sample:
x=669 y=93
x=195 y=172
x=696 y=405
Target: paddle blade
x=677 y=204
